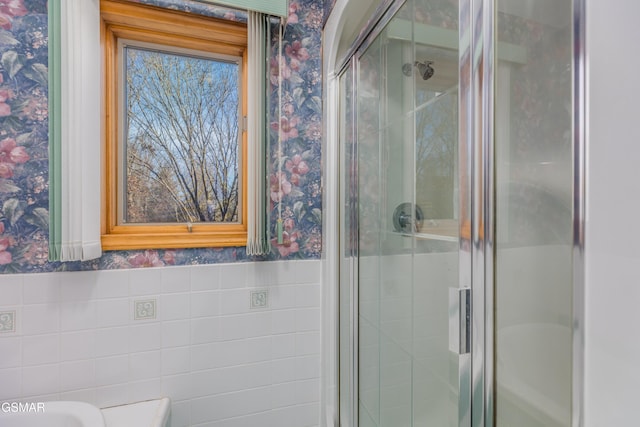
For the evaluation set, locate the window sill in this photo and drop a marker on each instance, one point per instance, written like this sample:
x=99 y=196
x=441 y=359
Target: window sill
x=175 y=240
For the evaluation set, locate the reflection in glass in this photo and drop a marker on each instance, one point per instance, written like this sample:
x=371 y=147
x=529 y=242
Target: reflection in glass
x=533 y=214
x=436 y=159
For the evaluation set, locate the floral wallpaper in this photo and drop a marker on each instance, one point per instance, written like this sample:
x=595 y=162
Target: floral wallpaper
x=23 y=134
x=295 y=189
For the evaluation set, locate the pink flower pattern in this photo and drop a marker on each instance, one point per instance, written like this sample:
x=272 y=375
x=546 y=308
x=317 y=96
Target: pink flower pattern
x=297 y=167
x=146 y=259
x=10 y=155
x=289 y=243
x=297 y=54
x=9 y=9
x=293 y=16
x=280 y=186
x=5 y=256
x=5 y=243
x=287 y=127
x=274 y=70
x=5 y=94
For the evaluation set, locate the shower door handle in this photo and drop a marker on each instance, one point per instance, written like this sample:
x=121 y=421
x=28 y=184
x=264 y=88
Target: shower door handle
x=460 y=320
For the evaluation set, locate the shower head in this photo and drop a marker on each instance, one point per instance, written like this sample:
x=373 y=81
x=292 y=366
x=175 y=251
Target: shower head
x=425 y=69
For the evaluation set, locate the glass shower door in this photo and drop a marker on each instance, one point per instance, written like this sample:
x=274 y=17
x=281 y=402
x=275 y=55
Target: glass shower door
x=457 y=144
x=406 y=135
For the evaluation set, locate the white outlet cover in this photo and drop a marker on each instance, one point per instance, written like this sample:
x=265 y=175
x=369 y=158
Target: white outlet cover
x=145 y=309
x=7 y=321
x=260 y=298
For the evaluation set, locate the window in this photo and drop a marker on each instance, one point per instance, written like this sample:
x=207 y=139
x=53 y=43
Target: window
x=175 y=143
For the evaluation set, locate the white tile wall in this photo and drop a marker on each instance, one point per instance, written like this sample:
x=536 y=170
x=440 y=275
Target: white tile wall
x=221 y=362
x=612 y=348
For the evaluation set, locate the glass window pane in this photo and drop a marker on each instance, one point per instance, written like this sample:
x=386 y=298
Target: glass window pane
x=181 y=138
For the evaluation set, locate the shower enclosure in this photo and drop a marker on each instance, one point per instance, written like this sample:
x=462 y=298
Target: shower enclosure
x=457 y=207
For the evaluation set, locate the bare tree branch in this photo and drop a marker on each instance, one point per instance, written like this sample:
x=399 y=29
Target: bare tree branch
x=182 y=137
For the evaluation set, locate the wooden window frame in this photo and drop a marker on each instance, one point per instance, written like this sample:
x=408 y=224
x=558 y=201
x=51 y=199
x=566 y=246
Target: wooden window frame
x=149 y=24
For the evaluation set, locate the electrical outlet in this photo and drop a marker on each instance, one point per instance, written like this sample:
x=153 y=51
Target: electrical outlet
x=260 y=298
x=7 y=321
x=145 y=309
